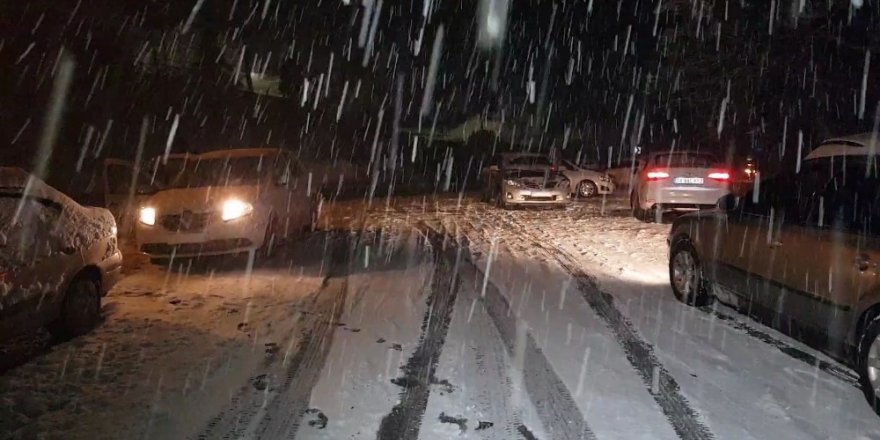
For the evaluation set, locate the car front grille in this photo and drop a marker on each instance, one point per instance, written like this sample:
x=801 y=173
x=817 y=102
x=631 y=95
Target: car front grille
x=186 y=222
x=539 y=198
x=195 y=248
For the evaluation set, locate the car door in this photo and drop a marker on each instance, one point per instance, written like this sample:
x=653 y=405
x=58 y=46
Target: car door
x=832 y=256
x=34 y=264
x=747 y=255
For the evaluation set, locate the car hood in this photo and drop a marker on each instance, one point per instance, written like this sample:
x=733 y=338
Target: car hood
x=201 y=199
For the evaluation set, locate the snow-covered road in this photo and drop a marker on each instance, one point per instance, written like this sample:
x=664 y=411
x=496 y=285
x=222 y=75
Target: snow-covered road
x=429 y=318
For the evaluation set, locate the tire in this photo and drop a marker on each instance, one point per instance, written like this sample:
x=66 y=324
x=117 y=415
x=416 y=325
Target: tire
x=637 y=210
x=80 y=309
x=868 y=339
x=688 y=285
x=587 y=189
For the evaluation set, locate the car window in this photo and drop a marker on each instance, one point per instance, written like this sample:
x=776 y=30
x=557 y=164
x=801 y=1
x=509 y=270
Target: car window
x=27 y=225
x=846 y=199
x=688 y=160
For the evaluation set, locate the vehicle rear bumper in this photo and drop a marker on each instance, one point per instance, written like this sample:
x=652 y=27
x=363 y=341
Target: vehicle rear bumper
x=682 y=197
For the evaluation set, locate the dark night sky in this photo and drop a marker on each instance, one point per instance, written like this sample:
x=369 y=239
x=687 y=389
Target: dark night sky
x=806 y=77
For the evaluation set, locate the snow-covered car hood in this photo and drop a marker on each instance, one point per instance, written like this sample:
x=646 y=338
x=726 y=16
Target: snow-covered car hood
x=201 y=199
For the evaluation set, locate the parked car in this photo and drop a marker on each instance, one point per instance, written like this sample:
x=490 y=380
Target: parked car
x=584 y=182
x=225 y=202
x=678 y=180
x=57 y=258
x=801 y=251
x=622 y=172
x=525 y=179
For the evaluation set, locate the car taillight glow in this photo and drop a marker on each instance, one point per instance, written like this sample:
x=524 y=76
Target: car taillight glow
x=657 y=175
x=719 y=175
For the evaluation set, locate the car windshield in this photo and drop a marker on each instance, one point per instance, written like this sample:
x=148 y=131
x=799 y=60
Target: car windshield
x=529 y=161
x=226 y=171
x=517 y=174
x=685 y=160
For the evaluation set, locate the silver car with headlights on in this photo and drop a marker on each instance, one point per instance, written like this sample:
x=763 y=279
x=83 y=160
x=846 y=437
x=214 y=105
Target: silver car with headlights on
x=227 y=202
x=529 y=188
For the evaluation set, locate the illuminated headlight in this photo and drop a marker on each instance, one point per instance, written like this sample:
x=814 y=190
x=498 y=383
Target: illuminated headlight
x=513 y=183
x=234 y=208
x=147 y=216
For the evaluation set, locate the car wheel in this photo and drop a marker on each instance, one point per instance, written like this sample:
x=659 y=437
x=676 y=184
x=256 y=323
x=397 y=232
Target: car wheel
x=587 y=189
x=80 y=309
x=686 y=275
x=637 y=210
x=868 y=363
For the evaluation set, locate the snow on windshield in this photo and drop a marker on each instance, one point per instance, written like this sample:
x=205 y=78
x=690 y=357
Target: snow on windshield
x=230 y=171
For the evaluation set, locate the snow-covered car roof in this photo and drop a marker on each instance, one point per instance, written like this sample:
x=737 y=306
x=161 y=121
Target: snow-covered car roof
x=861 y=144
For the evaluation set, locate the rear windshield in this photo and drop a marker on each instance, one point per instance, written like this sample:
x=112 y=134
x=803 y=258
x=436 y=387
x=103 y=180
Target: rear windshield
x=685 y=160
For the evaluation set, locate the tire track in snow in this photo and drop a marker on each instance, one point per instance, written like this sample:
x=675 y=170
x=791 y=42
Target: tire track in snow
x=841 y=373
x=274 y=408
x=658 y=381
x=405 y=418
x=552 y=400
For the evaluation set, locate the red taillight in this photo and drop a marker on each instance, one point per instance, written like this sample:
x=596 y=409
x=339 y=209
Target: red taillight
x=720 y=175
x=657 y=175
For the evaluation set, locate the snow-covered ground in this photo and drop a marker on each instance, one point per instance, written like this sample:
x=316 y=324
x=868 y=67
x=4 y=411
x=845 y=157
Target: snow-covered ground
x=546 y=324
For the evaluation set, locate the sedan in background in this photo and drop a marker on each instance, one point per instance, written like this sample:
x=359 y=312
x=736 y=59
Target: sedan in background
x=57 y=258
x=586 y=183
x=227 y=202
x=678 y=180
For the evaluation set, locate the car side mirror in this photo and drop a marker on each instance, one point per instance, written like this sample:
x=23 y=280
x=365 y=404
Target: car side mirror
x=728 y=203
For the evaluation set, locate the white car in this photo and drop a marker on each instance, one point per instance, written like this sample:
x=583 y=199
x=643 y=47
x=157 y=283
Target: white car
x=678 y=180
x=57 y=258
x=586 y=183
x=227 y=202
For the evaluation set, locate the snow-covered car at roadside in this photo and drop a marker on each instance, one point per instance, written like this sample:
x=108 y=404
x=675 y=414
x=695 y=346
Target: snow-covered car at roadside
x=57 y=258
x=678 y=180
x=586 y=183
x=226 y=202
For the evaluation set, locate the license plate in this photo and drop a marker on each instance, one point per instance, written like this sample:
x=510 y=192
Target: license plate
x=689 y=180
